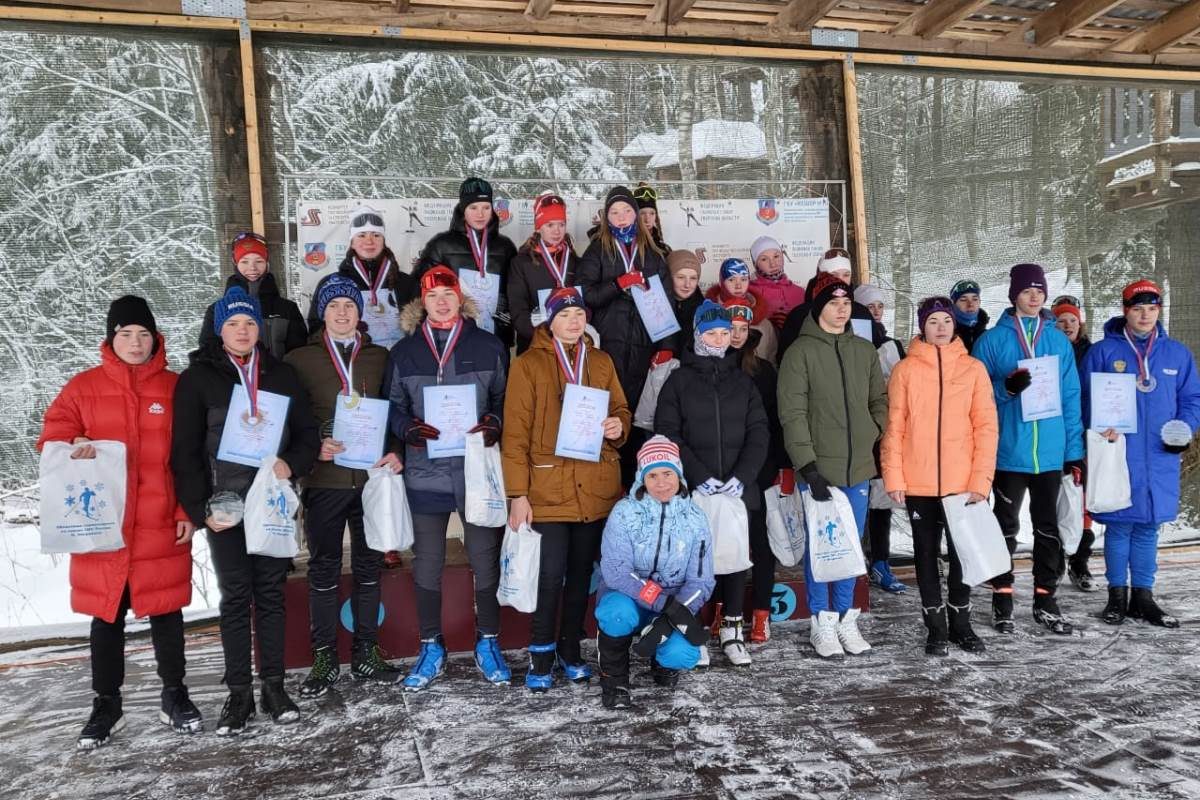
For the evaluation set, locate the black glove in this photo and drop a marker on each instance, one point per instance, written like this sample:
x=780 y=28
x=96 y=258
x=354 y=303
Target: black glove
x=1176 y=448
x=1078 y=469
x=489 y=426
x=654 y=635
x=419 y=432
x=816 y=484
x=685 y=622
x=1017 y=381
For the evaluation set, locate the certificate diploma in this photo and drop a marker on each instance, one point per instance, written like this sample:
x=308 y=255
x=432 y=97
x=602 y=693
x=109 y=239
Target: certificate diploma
x=655 y=309
x=452 y=410
x=485 y=291
x=362 y=430
x=248 y=440
x=581 y=426
x=1114 y=402
x=1043 y=398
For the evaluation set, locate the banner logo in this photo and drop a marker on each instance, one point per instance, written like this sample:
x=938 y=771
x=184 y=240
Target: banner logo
x=766 y=211
x=314 y=254
x=312 y=219
x=503 y=212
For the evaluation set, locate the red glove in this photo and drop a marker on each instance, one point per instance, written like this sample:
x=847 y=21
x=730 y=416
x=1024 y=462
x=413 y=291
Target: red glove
x=786 y=481
x=419 y=432
x=650 y=592
x=661 y=357
x=631 y=279
x=489 y=426
x=779 y=318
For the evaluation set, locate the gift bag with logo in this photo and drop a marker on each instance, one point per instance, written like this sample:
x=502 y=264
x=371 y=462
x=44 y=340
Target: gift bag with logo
x=1070 y=514
x=82 y=499
x=644 y=416
x=977 y=539
x=834 y=550
x=730 y=527
x=387 y=520
x=520 y=562
x=1107 y=474
x=785 y=525
x=270 y=521
x=486 y=505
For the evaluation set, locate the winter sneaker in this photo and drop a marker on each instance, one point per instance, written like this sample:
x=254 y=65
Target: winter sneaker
x=431 y=663
x=323 y=675
x=1046 y=613
x=541 y=665
x=666 y=678
x=1002 y=612
x=106 y=719
x=936 y=642
x=847 y=633
x=238 y=710
x=569 y=659
x=1117 y=609
x=1081 y=578
x=1143 y=607
x=704 y=659
x=491 y=661
x=961 y=632
x=732 y=644
x=275 y=701
x=760 y=628
x=823 y=634
x=367 y=663
x=616 y=696
x=179 y=711
x=881 y=576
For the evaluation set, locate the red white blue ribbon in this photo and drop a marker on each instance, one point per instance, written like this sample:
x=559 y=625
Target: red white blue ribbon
x=442 y=358
x=478 y=249
x=376 y=284
x=572 y=374
x=345 y=370
x=557 y=270
x=248 y=380
x=1029 y=344
x=1143 y=362
x=628 y=258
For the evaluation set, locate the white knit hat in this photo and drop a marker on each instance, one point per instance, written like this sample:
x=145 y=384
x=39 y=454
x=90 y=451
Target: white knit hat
x=867 y=294
x=365 y=219
x=761 y=245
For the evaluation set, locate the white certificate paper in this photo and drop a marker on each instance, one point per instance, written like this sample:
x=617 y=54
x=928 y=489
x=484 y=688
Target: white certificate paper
x=450 y=409
x=1043 y=398
x=655 y=309
x=383 y=326
x=862 y=328
x=485 y=291
x=581 y=427
x=1114 y=402
x=246 y=442
x=362 y=430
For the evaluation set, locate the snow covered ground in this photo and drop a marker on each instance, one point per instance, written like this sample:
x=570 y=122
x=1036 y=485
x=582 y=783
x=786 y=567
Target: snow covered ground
x=1110 y=712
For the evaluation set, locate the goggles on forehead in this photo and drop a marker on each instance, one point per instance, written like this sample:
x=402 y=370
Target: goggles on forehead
x=367 y=218
x=835 y=252
x=439 y=277
x=740 y=314
x=241 y=237
x=645 y=193
x=1069 y=299
x=713 y=315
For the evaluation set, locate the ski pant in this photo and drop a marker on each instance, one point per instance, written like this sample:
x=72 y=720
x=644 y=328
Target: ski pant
x=327 y=512
x=108 y=649
x=843 y=591
x=762 y=574
x=879 y=530
x=928 y=523
x=730 y=592
x=1131 y=554
x=248 y=581
x=429 y=559
x=618 y=616
x=1009 y=489
x=569 y=552
x=1082 y=553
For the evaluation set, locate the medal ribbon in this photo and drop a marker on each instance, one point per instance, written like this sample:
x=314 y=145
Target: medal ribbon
x=1029 y=345
x=557 y=271
x=478 y=249
x=628 y=258
x=1143 y=362
x=379 y=278
x=575 y=374
x=451 y=343
x=345 y=370
x=248 y=379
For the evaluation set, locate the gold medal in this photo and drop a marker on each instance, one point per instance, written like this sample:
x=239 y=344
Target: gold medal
x=352 y=400
x=379 y=308
x=250 y=421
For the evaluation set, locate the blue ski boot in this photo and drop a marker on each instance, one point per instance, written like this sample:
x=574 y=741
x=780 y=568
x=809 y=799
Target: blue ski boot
x=570 y=661
x=541 y=665
x=881 y=576
x=431 y=663
x=490 y=660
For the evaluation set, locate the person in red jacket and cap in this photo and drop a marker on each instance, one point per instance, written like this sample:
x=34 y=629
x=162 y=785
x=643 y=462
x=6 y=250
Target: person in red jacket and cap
x=128 y=398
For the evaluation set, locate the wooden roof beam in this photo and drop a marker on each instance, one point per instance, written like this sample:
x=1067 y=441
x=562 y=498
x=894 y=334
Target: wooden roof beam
x=538 y=9
x=800 y=15
x=1163 y=32
x=938 y=16
x=1067 y=16
x=668 y=11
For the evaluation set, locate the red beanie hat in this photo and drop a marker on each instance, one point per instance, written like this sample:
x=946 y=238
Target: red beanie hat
x=1143 y=291
x=548 y=207
x=440 y=276
x=245 y=244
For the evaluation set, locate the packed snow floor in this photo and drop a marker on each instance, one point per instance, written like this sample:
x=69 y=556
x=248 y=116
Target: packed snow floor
x=1108 y=712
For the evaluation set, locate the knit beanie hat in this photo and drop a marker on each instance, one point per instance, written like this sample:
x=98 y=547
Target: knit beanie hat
x=366 y=220
x=834 y=259
x=646 y=196
x=867 y=294
x=739 y=310
x=563 y=298
x=247 y=243
x=440 y=275
x=234 y=302
x=658 y=451
x=733 y=267
x=619 y=194
x=474 y=190
x=1139 y=292
x=930 y=306
x=683 y=259
x=827 y=287
x=1025 y=276
x=710 y=316
x=548 y=207
x=129 y=310
x=761 y=245
x=337 y=286
x=964 y=287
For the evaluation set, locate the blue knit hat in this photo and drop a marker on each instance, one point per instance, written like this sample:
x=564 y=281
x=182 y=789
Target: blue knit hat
x=234 y=302
x=711 y=315
x=563 y=298
x=734 y=266
x=337 y=286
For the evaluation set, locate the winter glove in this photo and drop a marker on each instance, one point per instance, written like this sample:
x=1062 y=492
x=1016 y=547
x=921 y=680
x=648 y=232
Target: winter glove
x=1176 y=436
x=778 y=318
x=419 y=432
x=733 y=487
x=489 y=426
x=653 y=635
x=1017 y=381
x=685 y=622
x=786 y=481
x=709 y=487
x=661 y=358
x=1077 y=470
x=631 y=279
x=1175 y=448
x=816 y=484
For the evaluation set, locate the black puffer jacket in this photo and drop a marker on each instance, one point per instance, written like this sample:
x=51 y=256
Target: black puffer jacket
x=1081 y=346
x=616 y=318
x=795 y=321
x=527 y=275
x=202 y=398
x=283 y=326
x=400 y=287
x=766 y=379
x=452 y=248
x=713 y=411
x=971 y=333
x=685 y=313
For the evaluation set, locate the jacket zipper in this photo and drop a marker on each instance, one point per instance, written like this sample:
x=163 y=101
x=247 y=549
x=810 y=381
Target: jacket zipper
x=846 y=402
x=700 y=566
x=658 y=548
x=720 y=439
x=939 y=423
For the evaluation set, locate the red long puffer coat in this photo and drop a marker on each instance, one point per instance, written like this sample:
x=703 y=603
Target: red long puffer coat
x=130 y=404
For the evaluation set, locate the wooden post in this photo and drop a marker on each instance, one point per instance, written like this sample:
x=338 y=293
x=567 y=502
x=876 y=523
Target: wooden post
x=253 y=156
x=854 y=151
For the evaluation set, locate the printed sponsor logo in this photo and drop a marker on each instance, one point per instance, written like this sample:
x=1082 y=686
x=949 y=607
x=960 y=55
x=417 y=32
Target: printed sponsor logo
x=1119 y=366
x=156 y=408
x=503 y=212
x=314 y=254
x=312 y=219
x=767 y=213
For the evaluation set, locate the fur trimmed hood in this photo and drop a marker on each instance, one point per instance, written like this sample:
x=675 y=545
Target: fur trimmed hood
x=413 y=314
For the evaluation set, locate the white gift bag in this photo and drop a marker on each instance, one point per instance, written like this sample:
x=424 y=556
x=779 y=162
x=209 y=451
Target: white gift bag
x=270 y=520
x=486 y=505
x=834 y=550
x=1107 y=474
x=977 y=539
x=82 y=500
x=730 y=527
x=387 y=520
x=879 y=499
x=1070 y=514
x=644 y=416
x=520 y=562
x=785 y=526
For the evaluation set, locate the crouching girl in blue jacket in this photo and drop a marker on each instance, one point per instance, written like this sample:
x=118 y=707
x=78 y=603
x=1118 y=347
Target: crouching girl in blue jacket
x=656 y=573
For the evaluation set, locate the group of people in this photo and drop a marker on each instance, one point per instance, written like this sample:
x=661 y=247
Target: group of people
x=765 y=384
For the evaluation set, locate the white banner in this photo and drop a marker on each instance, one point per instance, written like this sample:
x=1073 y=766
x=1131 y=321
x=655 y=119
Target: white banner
x=715 y=229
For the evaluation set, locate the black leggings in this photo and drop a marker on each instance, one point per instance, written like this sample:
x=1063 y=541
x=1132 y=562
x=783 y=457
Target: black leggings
x=568 y=551
x=879 y=526
x=762 y=574
x=730 y=591
x=108 y=649
x=928 y=522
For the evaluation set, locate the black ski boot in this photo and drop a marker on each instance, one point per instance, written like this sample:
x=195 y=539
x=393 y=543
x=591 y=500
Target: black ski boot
x=1118 y=605
x=367 y=663
x=275 y=701
x=179 y=711
x=1002 y=612
x=961 y=632
x=666 y=678
x=238 y=710
x=1046 y=613
x=613 y=654
x=1142 y=606
x=936 y=643
x=1081 y=577
x=106 y=719
x=324 y=673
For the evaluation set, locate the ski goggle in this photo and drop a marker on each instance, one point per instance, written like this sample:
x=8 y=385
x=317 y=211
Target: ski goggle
x=367 y=219
x=645 y=193
x=740 y=314
x=439 y=276
x=713 y=315
x=1069 y=299
x=241 y=237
